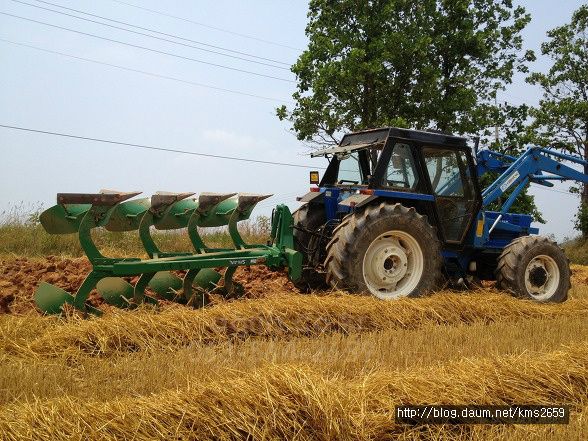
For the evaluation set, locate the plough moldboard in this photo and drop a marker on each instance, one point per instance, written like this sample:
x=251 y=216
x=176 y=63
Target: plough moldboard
x=117 y=211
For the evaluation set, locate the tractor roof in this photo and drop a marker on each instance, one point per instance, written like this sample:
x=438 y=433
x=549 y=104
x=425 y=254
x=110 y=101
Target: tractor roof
x=376 y=138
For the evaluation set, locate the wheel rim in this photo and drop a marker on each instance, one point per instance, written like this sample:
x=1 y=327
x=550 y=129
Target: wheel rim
x=542 y=277
x=393 y=265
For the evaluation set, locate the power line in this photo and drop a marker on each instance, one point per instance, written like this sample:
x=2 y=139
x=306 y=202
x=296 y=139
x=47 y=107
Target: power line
x=156 y=148
x=143 y=72
x=186 y=152
x=171 y=35
x=270 y=202
x=153 y=36
x=147 y=48
x=207 y=25
x=554 y=190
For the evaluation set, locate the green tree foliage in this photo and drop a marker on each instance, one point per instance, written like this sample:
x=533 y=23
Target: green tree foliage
x=524 y=204
x=513 y=137
x=581 y=219
x=428 y=64
x=561 y=120
x=423 y=64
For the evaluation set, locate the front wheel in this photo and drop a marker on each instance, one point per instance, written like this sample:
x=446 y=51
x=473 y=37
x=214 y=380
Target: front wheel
x=387 y=250
x=536 y=268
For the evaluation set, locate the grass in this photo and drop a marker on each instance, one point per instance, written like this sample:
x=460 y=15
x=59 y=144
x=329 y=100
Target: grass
x=22 y=235
x=298 y=402
x=327 y=366
x=33 y=241
x=25 y=378
x=279 y=316
x=577 y=250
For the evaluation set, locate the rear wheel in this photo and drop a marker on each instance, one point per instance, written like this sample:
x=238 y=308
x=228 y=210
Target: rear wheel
x=388 y=250
x=536 y=268
x=307 y=219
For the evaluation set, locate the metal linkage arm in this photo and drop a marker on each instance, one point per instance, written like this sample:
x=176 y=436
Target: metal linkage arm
x=489 y=160
x=529 y=167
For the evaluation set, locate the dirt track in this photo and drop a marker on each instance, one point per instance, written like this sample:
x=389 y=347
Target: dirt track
x=19 y=278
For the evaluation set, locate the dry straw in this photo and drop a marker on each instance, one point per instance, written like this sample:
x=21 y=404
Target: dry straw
x=296 y=402
x=280 y=316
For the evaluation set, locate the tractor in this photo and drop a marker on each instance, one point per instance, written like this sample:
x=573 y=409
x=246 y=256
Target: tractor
x=397 y=213
x=401 y=212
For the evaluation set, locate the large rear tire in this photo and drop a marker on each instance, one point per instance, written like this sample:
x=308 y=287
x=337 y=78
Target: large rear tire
x=536 y=268
x=306 y=218
x=387 y=250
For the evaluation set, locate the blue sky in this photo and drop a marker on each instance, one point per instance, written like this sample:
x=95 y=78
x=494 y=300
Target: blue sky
x=51 y=92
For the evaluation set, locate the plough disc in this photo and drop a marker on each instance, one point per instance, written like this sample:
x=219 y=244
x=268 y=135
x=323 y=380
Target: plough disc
x=50 y=298
x=115 y=291
x=166 y=285
x=207 y=279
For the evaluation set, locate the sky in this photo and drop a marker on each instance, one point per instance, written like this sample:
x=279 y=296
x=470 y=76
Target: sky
x=51 y=92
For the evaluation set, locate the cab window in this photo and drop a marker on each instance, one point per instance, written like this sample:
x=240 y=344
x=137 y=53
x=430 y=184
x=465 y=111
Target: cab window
x=401 y=171
x=454 y=190
x=350 y=171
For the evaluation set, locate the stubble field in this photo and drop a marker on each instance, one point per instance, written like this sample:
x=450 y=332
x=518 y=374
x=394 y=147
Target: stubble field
x=281 y=365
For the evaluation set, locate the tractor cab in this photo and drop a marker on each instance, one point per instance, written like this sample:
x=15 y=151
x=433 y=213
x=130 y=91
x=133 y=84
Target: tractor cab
x=433 y=172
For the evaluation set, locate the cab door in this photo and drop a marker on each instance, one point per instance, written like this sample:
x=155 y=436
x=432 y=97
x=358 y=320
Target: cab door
x=455 y=193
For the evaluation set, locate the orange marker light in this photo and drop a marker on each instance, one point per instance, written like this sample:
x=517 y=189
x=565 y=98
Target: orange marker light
x=314 y=177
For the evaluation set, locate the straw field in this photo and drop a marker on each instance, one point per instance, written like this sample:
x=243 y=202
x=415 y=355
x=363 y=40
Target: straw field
x=281 y=365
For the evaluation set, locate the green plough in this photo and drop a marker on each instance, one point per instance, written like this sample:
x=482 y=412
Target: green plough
x=117 y=211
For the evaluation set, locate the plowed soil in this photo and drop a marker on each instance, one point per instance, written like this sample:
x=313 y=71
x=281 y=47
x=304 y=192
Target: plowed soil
x=20 y=277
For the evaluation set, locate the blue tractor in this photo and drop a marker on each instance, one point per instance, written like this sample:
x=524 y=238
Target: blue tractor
x=401 y=212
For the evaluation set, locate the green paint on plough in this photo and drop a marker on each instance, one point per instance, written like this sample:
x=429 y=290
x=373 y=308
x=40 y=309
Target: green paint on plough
x=116 y=211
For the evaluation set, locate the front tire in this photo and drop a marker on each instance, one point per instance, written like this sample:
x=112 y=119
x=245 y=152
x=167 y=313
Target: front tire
x=536 y=268
x=387 y=250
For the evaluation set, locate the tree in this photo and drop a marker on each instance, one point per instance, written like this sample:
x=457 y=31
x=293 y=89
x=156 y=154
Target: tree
x=427 y=64
x=561 y=120
x=513 y=137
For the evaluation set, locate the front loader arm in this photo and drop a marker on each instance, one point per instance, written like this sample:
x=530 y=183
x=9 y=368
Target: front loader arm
x=529 y=167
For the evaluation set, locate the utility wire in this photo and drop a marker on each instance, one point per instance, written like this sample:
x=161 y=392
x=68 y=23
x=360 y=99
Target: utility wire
x=186 y=152
x=251 y=37
x=170 y=35
x=554 y=190
x=148 y=49
x=148 y=35
x=156 y=148
x=143 y=72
